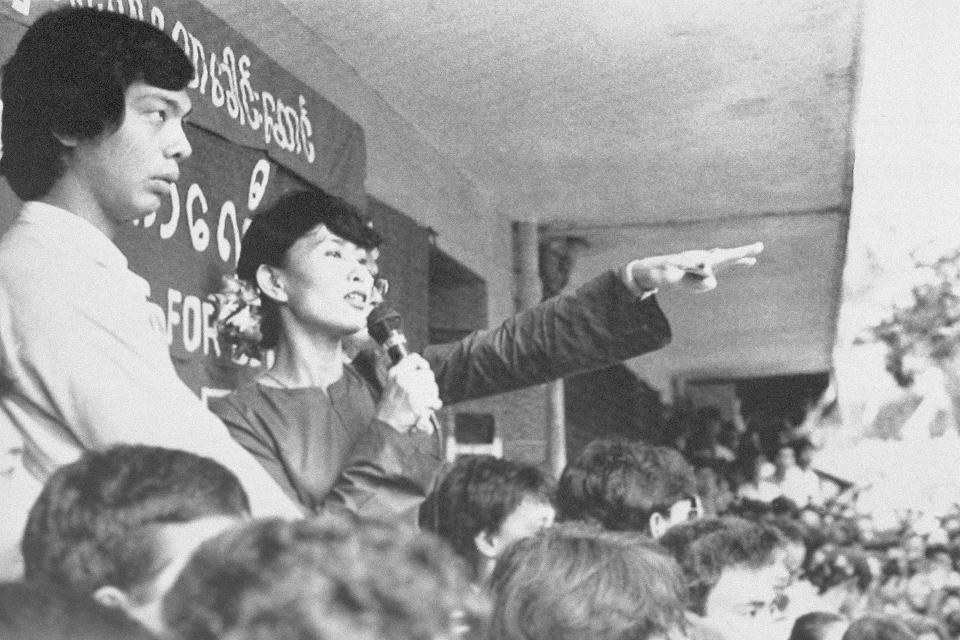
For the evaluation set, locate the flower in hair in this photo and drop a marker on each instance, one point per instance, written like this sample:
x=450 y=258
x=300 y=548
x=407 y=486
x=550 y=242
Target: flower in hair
x=238 y=319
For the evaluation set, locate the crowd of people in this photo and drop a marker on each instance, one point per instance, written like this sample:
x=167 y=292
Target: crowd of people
x=755 y=458
x=856 y=564
x=313 y=503
x=149 y=542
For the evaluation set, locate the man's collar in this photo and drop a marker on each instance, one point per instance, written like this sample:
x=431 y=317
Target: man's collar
x=76 y=233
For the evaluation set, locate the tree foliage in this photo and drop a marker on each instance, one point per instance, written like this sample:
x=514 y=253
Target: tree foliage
x=930 y=326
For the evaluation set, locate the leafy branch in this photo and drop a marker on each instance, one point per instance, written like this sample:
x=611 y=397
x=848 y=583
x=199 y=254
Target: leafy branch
x=930 y=325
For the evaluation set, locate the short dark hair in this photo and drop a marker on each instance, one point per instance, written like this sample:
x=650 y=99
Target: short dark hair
x=620 y=484
x=325 y=579
x=878 y=627
x=476 y=495
x=811 y=626
x=69 y=76
x=34 y=612
x=575 y=581
x=94 y=521
x=277 y=228
x=705 y=547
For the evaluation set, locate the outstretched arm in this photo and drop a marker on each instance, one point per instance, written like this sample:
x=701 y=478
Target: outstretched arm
x=612 y=318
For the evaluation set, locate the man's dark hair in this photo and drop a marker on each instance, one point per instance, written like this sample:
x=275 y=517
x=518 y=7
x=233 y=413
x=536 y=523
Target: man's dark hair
x=878 y=627
x=705 y=547
x=812 y=626
x=620 y=484
x=327 y=578
x=476 y=495
x=749 y=509
x=95 y=520
x=69 y=76
x=575 y=581
x=33 y=612
x=277 y=228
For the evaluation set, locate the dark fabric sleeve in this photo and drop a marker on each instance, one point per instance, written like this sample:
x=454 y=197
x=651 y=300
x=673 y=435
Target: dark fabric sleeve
x=388 y=473
x=600 y=324
x=255 y=439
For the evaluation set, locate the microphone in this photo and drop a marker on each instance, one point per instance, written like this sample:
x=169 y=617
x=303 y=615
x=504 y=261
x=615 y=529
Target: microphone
x=385 y=326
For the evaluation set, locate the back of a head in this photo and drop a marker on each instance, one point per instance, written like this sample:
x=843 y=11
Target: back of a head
x=574 y=581
x=878 y=627
x=705 y=548
x=324 y=579
x=813 y=626
x=477 y=494
x=679 y=538
x=620 y=484
x=93 y=523
x=69 y=75
x=29 y=612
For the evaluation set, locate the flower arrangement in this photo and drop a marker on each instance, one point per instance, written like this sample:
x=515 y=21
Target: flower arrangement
x=238 y=319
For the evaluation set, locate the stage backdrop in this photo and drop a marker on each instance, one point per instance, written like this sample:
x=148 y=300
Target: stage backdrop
x=256 y=132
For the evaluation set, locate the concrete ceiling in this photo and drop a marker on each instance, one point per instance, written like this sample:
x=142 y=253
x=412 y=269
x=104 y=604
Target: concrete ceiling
x=621 y=110
x=644 y=126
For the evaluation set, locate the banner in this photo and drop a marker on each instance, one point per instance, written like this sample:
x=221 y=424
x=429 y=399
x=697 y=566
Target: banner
x=238 y=93
x=256 y=132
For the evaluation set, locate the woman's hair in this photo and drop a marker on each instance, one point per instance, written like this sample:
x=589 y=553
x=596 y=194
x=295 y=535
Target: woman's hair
x=275 y=230
x=574 y=581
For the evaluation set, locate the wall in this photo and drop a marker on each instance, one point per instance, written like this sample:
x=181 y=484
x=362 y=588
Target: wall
x=403 y=170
